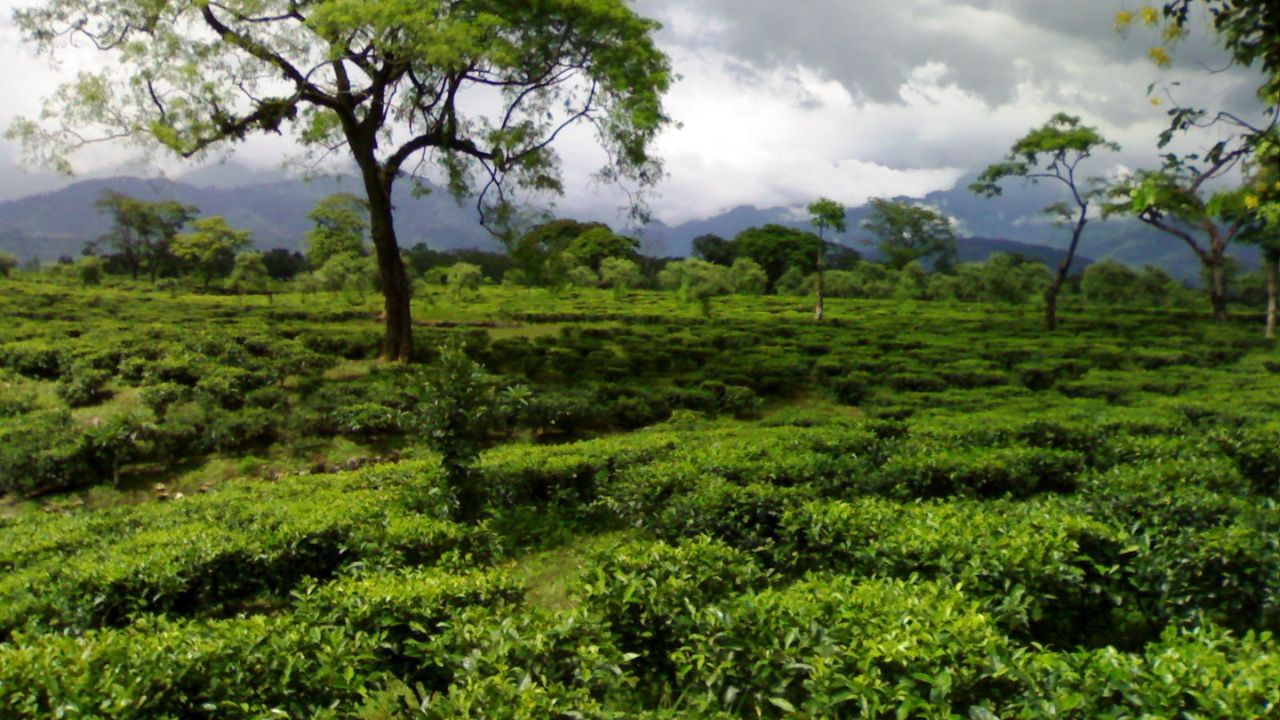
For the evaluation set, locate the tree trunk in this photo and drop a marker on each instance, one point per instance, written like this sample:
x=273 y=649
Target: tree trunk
x=1064 y=269
x=1272 y=262
x=397 y=343
x=1218 y=287
x=819 y=309
x=1051 y=304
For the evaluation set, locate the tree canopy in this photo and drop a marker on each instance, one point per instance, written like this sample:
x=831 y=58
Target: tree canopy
x=905 y=233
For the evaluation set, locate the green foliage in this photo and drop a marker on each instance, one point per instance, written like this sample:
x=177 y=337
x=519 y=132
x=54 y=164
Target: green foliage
x=239 y=668
x=211 y=246
x=7 y=263
x=249 y=274
x=89 y=271
x=777 y=249
x=142 y=231
x=463 y=279
x=456 y=409
x=620 y=274
x=905 y=233
x=834 y=644
x=341 y=223
x=747 y=277
x=598 y=243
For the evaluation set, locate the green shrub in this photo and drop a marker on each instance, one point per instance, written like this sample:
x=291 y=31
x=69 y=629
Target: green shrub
x=1203 y=672
x=1041 y=570
x=404 y=609
x=833 y=646
x=650 y=593
x=243 y=668
x=42 y=451
x=931 y=472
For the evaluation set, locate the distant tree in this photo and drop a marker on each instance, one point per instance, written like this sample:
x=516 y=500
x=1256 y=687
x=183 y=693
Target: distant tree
x=89 y=270
x=142 y=231
x=422 y=259
x=1054 y=152
x=340 y=225
x=494 y=266
x=540 y=254
x=284 y=265
x=747 y=277
x=1111 y=283
x=714 y=249
x=620 y=275
x=249 y=275
x=1002 y=278
x=777 y=249
x=912 y=282
x=349 y=275
x=904 y=232
x=211 y=246
x=598 y=243
x=582 y=276
x=824 y=214
x=464 y=279
x=7 y=263
x=1154 y=286
x=696 y=281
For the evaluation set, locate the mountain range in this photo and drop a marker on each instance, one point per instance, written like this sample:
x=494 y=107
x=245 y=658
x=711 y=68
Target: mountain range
x=275 y=207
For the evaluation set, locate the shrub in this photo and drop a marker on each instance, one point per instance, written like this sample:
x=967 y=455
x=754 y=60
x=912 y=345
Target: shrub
x=82 y=385
x=650 y=593
x=932 y=472
x=244 y=668
x=835 y=646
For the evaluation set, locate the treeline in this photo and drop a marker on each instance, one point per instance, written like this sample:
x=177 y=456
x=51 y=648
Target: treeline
x=164 y=241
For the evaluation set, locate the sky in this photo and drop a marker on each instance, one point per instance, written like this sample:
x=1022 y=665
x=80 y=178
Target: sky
x=779 y=103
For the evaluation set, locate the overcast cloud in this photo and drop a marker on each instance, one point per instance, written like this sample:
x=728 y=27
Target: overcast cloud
x=780 y=102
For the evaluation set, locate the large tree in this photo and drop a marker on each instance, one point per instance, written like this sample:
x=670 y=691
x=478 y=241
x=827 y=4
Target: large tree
x=478 y=90
x=1173 y=200
x=905 y=233
x=825 y=214
x=1053 y=152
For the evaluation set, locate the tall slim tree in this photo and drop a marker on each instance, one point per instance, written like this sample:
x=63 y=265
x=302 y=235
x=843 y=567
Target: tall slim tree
x=825 y=214
x=478 y=90
x=1054 y=152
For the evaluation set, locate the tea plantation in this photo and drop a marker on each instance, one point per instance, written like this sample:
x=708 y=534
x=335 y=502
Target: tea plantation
x=220 y=508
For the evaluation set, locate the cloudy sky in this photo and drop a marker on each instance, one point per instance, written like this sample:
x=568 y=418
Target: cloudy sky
x=781 y=102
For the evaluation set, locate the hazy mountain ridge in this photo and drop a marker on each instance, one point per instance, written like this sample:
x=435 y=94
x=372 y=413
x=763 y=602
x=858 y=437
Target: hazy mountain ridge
x=274 y=207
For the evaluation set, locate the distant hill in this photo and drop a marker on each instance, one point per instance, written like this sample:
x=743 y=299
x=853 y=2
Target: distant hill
x=61 y=222
x=274 y=207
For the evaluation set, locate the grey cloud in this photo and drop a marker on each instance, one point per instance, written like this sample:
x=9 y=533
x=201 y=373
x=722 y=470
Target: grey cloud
x=870 y=46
